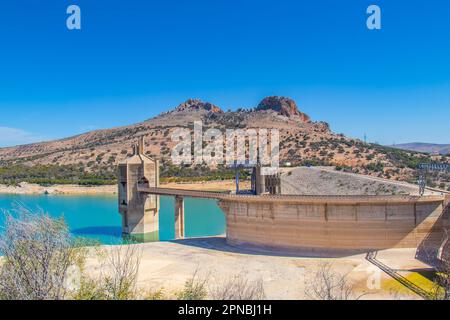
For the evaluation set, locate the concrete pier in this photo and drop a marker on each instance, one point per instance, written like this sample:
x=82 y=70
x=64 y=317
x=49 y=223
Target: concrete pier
x=179 y=217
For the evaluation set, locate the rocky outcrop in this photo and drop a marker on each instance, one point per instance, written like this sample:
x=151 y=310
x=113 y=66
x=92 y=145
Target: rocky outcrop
x=284 y=106
x=197 y=104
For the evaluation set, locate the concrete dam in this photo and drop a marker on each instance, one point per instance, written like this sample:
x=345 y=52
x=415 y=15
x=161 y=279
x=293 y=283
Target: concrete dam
x=289 y=222
x=329 y=223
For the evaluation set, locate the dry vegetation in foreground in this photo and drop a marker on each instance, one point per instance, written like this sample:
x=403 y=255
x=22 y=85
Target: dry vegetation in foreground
x=42 y=261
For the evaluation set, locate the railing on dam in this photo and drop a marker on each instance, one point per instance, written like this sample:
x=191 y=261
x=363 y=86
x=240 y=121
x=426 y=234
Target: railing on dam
x=313 y=199
x=184 y=193
x=372 y=258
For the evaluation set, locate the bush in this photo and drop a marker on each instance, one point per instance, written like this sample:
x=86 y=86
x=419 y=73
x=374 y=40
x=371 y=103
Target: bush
x=329 y=285
x=238 y=288
x=118 y=277
x=375 y=167
x=38 y=251
x=194 y=288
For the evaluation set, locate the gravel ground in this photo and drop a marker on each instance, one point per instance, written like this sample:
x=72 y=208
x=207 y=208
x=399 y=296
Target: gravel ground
x=325 y=181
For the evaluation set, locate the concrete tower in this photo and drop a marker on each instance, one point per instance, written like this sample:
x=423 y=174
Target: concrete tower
x=265 y=183
x=140 y=212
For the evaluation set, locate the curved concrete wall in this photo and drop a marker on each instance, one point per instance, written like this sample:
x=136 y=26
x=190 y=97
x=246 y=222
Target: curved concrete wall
x=336 y=223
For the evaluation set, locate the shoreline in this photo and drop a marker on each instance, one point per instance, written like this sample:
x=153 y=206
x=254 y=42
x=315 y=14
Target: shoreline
x=25 y=188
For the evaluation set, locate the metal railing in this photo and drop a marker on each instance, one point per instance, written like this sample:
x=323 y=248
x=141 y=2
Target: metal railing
x=371 y=257
x=331 y=199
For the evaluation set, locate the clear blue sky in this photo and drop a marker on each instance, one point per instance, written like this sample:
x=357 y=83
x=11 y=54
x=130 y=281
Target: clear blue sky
x=134 y=58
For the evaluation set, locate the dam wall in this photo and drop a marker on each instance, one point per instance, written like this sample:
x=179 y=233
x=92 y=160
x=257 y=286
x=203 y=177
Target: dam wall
x=325 y=223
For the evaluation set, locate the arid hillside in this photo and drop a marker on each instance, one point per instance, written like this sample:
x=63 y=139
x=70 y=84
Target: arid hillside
x=302 y=142
x=432 y=148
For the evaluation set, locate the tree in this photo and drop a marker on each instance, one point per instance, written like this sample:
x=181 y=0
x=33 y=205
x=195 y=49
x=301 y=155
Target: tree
x=329 y=285
x=238 y=288
x=194 y=288
x=441 y=289
x=123 y=263
x=38 y=251
x=117 y=279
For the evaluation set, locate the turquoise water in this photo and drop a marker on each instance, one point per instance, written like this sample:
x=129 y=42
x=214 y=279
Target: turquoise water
x=97 y=217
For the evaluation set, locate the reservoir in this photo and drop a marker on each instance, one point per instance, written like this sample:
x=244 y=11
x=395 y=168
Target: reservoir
x=97 y=217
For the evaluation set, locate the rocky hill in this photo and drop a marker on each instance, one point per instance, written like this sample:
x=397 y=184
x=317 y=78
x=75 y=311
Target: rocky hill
x=283 y=106
x=302 y=142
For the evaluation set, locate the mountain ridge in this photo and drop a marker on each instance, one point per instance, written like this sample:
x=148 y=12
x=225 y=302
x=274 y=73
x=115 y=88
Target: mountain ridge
x=433 y=148
x=302 y=142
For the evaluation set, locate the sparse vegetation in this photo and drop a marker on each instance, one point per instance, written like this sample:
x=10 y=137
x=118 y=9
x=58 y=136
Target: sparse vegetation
x=238 y=287
x=117 y=279
x=194 y=288
x=441 y=281
x=55 y=174
x=42 y=261
x=172 y=173
x=38 y=252
x=98 y=153
x=329 y=285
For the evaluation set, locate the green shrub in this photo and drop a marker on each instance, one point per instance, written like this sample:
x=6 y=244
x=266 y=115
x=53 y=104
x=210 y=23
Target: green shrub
x=194 y=288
